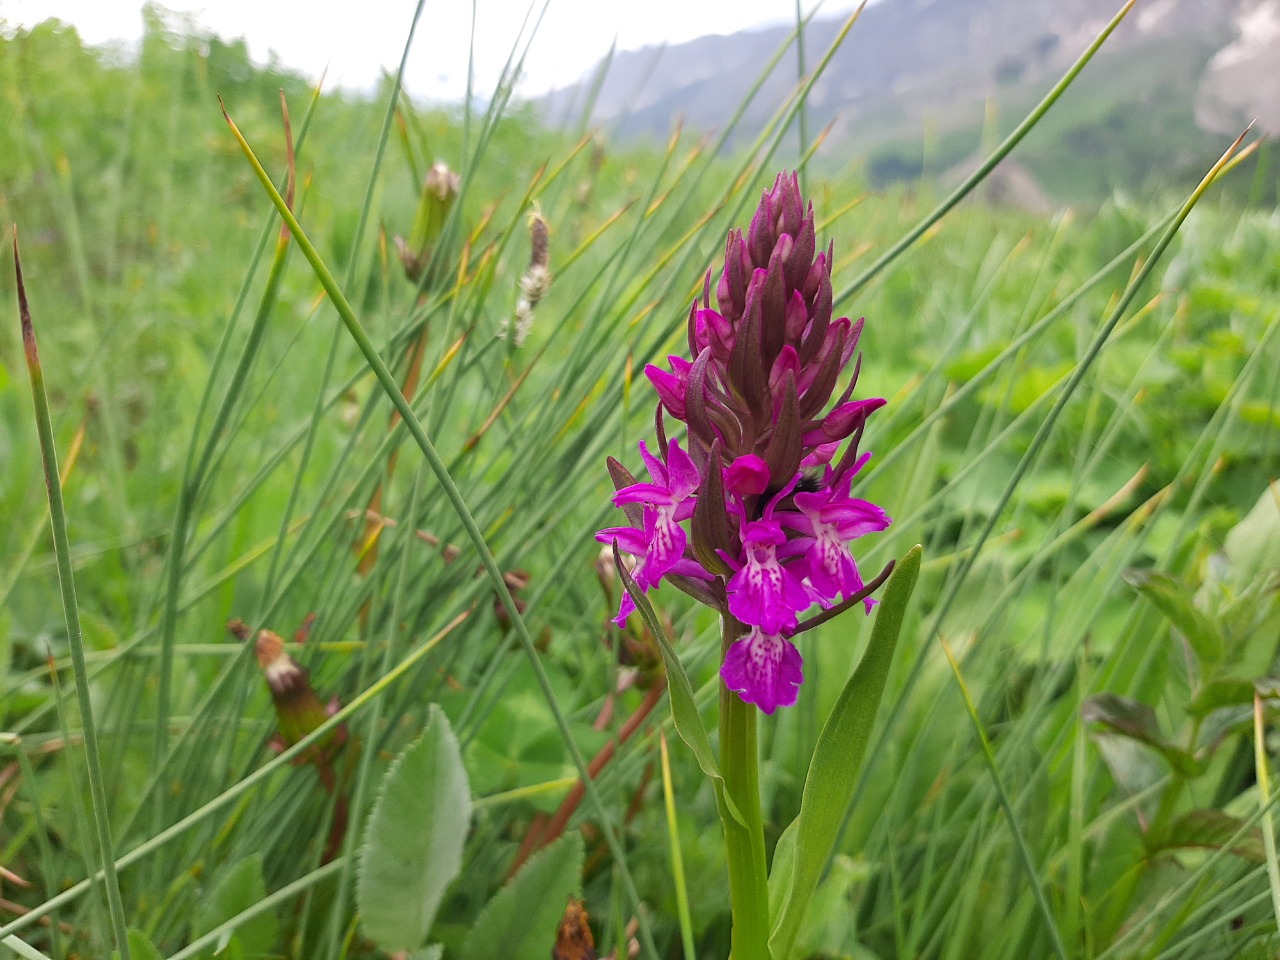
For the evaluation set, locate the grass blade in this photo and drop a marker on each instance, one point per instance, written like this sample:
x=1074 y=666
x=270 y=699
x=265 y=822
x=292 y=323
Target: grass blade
x=71 y=612
x=1264 y=800
x=459 y=505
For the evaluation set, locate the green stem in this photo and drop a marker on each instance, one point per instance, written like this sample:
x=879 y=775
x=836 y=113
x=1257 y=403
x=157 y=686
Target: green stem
x=748 y=874
x=71 y=612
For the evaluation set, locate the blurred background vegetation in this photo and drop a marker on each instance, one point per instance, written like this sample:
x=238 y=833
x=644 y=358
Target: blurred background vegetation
x=227 y=451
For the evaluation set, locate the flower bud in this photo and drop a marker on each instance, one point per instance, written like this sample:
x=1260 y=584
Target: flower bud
x=440 y=190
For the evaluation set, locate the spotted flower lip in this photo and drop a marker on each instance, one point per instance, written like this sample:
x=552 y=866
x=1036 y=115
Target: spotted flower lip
x=762 y=591
x=755 y=512
x=764 y=669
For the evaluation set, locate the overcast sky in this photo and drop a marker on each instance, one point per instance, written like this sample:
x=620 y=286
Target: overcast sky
x=356 y=39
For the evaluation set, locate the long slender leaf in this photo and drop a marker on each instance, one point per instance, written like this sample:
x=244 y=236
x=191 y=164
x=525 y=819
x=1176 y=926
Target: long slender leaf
x=837 y=758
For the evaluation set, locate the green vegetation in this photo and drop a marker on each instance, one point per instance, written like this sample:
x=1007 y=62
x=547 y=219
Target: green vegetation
x=1082 y=773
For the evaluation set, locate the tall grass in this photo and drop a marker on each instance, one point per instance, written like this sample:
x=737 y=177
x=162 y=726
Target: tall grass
x=234 y=439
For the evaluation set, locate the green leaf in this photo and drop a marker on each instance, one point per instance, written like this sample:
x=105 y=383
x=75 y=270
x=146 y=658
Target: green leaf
x=1135 y=720
x=1268 y=688
x=782 y=869
x=1252 y=546
x=968 y=364
x=1223 y=692
x=1213 y=830
x=1175 y=602
x=413 y=845
x=684 y=710
x=141 y=947
x=830 y=922
x=238 y=889
x=520 y=922
x=838 y=755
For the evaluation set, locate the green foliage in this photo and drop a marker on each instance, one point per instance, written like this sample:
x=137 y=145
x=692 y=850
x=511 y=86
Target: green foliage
x=412 y=849
x=140 y=223
x=1213 y=830
x=1175 y=602
x=1135 y=720
x=239 y=888
x=837 y=761
x=519 y=923
x=140 y=948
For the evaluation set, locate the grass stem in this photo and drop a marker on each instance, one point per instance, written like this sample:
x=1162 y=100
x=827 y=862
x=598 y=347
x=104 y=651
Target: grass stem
x=71 y=612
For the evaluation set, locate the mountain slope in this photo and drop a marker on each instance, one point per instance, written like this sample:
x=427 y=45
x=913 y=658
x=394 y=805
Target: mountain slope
x=910 y=66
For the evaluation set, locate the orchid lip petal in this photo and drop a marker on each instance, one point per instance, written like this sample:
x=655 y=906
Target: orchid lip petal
x=764 y=669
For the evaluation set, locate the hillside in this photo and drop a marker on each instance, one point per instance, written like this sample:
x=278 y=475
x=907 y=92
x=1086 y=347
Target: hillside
x=915 y=81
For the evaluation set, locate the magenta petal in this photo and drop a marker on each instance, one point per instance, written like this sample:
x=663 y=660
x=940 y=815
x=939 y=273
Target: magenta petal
x=719 y=331
x=767 y=595
x=625 y=609
x=687 y=567
x=644 y=493
x=821 y=454
x=655 y=466
x=764 y=669
x=683 y=478
x=763 y=592
x=666 y=543
x=746 y=476
x=671 y=388
x=797 y=316
x=842 y=421
x=832 y=571
x=630 y=540
x=856 y=518
x=788 y=362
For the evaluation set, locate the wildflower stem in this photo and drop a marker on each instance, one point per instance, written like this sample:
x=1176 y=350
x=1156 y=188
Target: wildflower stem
x=748 y=874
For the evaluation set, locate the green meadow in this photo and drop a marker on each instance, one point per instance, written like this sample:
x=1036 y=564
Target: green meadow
x=1072 y=755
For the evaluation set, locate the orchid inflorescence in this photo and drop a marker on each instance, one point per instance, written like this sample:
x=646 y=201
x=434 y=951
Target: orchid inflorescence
x=755 y=517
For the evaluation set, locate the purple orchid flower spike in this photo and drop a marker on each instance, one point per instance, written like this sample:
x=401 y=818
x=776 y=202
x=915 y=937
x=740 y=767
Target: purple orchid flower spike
x=755 y=516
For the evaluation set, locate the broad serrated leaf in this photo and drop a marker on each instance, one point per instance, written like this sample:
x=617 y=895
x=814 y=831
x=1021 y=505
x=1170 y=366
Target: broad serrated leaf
x=236 y=890
x=520 y=922
x=1178 y=606
x=1135 y=720
x=413 y=844
x=1212 y=830
x=838 y=755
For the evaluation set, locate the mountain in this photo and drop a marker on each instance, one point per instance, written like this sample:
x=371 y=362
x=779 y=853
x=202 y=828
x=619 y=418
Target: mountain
x=917 y=81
